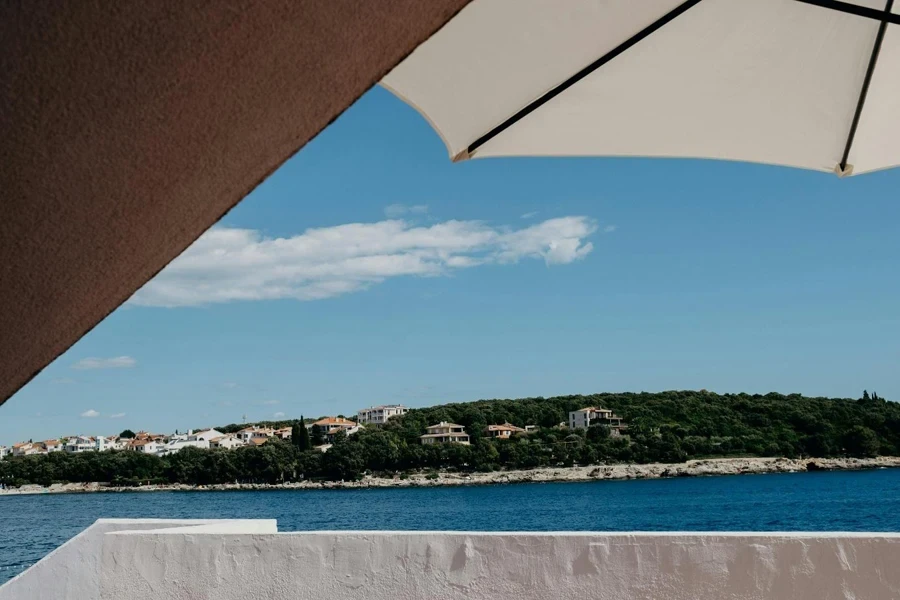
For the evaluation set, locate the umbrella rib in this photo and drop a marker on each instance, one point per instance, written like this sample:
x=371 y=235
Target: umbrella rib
x=870 y=70
x=855 y=9
x=534 y=105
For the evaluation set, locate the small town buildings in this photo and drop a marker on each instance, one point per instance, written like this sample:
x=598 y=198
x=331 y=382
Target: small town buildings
x=331 y=426
x=585 y=417
x=146 y=446
x=52 y=446
x=102 y=443
x=118 y=443
x=143 y=435
x=80 y=443
x=205 y=435
x=26 y=449
x=379 y=415
x=248 y=434
x=503 y=432
x=4 y=452
x=227 y=441
x=284 y=433
x=177 y=445
x=445 y=433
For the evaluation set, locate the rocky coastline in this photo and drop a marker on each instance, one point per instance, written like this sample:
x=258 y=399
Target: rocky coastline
x=691 y=468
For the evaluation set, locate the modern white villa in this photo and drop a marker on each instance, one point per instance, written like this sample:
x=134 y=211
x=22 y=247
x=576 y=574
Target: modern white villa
x=379 y=415
x=444 y=433
x=81 y=443
x=585 y=417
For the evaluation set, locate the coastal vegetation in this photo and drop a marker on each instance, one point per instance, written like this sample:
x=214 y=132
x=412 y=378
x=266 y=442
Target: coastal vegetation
x=662 y=427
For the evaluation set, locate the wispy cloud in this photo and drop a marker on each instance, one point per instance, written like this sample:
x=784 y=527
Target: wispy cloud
x=398 y=210
x=530 y=215
x=278 y=415
x=609 y=228
x=118 y=362
x=229 y=385
x=228 y=265
x=269 y=402
x=90 y=414
x=117 y=416
x=63 y=381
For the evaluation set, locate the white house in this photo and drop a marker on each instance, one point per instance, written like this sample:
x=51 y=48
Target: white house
x=52 y=446
x=80 y=443
x=25 y=449
x=174 y=446
x=445 y=433
x=102 y=443
x=227 y=441
x=146 y=446
x=585 y=417
x=4 y=452
x=247 y=434
x=206 y=435
x=378 y=415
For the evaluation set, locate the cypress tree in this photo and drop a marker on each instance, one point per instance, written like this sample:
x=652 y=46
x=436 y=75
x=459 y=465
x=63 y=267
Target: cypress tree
x=300 y=436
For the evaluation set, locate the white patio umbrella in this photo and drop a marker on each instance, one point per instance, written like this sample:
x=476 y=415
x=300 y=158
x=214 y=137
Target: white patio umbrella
x=806 y=83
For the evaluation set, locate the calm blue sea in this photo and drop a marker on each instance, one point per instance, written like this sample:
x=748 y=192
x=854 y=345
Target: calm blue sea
x=32 y=526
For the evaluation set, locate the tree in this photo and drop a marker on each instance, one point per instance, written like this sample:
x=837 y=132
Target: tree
x=861 y=441
x=300 y=436
x=127 y=434
x=865 y=395
x=317 y=438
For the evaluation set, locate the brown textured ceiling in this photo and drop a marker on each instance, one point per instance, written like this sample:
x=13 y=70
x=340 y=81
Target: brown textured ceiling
x=127 y=128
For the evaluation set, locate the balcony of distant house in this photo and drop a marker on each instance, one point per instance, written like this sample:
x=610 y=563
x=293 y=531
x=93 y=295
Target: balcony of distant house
x=445 y=433
x=379 y=415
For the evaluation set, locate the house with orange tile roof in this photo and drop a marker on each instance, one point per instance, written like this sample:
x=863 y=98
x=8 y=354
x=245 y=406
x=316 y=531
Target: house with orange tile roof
x=331 y=426
x=52 y=445
x=248 y=434
x=503 y=432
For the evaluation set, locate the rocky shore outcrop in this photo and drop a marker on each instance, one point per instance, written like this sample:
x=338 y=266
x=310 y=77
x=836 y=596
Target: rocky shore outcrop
x=691 y=468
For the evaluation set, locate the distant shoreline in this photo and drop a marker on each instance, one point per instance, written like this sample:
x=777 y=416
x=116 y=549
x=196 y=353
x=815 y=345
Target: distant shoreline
x=620 y=472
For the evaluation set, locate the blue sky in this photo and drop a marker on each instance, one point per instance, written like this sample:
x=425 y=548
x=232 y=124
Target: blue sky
x=492 y=278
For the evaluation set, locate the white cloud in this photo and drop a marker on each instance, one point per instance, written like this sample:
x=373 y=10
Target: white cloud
x=530 y=215
x=119 y=362
x=398 y=210
x=90 y=414
x=229 y=385
x=227 y=264
x=117 y=416
x=269 y=403
x=609 y=229
x=278 y=415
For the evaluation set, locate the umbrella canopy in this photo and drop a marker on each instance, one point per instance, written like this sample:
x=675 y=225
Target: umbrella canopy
x=805 y=83
x=129 y=127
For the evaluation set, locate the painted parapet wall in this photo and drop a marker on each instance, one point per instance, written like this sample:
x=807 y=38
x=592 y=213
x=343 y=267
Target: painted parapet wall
x=71 y=572
x=495 y=566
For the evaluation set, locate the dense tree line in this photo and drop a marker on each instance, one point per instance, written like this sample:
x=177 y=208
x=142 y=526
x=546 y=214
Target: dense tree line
x=667 y=427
